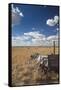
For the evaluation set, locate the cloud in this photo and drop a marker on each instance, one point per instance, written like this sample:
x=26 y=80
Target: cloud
x=35 y=35
x=46 y=41
x=33 y=28
x=34 y=39
x=16 y=15
x=57 y=29
x=20 y=40
x=53 y=38
x=52 y=21
x=21 y=14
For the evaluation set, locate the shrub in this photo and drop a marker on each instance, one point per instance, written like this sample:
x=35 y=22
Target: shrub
x=35 y=55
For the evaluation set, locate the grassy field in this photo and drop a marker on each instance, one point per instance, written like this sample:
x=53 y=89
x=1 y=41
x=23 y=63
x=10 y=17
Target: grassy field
x=26 y=71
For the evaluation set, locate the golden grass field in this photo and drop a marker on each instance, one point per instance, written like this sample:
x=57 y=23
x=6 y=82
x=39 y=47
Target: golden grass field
x=26 y=71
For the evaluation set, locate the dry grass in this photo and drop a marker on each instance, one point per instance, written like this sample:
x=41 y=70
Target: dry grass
x=26 y=71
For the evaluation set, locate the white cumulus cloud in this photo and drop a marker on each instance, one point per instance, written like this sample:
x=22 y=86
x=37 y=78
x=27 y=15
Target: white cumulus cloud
x=19 y=40
x=53 y=38
x=35 y=35
x=34 y=39
x=52 y=21
x=16 y=15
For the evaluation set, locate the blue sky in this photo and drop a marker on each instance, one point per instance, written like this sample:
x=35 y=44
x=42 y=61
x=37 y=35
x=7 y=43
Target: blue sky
x=34 y=25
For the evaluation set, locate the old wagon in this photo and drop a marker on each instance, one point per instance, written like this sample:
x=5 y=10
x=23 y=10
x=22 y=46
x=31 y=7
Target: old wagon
x=53 y=62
